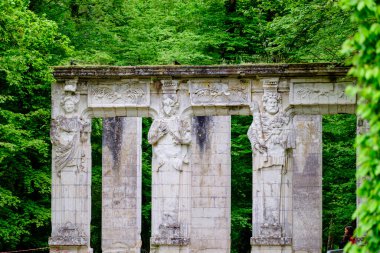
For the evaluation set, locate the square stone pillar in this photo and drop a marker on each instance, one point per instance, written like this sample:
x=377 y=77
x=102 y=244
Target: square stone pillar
x=71 y=174
x=272 y=142
x=211 y=184
x=307 y=184
x=121 y=185
x=272 y=214
x=170 y=136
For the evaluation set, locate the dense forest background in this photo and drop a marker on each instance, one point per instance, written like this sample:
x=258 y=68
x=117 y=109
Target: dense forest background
x=36 y=34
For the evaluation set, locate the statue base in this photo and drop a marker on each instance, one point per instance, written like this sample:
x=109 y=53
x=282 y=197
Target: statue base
x=169 y=241
x=270 y=241
x=70 y=249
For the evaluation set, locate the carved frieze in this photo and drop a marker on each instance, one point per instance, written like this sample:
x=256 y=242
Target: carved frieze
x=68 y=234
x=216 y=92
x=129 y=93
x=320 y=93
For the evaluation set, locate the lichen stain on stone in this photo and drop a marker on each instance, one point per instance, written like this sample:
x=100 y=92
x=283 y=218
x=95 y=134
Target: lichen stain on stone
x=201 y=125
x=157 y=85
x=112 y=138
x=312 y=165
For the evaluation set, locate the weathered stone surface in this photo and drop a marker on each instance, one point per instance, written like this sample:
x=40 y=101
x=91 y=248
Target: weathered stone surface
x=305 y=93
x=68 y=234
x=191 y=159
x=170 y=135
x=272 y=141
x=121 y=185
x=126 y=93
x=271 y=240
x=71 y=168
x=307 y=184
x=170 y=240
x=211 y=185
x=311 y=69
x=220 y=92
x=70 y=249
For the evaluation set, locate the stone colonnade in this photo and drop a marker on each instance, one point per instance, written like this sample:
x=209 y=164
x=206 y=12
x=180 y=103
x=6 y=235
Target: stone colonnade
x=191 y=164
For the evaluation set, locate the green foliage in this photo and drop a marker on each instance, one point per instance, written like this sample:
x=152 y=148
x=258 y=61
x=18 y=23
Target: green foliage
x=309 y=31
x=28 y=45
x=139 y=32
x=339 y=184
x=241 y=183
x=365 y=48
x=146 y=185
x=162 y=32
x=96 y=186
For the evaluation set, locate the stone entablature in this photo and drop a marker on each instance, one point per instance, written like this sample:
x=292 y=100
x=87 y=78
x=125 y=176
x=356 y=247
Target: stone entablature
x=249 y=70
x=208 y=90
x=191 y=165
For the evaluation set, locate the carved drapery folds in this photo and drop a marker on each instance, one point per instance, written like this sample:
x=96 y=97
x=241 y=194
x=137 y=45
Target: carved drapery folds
x=170 y=135
x=271 y=140
x=71 y=169
x=69 y=133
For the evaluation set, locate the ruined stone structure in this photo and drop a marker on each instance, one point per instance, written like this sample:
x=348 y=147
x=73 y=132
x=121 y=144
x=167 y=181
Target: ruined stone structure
x=191 y=164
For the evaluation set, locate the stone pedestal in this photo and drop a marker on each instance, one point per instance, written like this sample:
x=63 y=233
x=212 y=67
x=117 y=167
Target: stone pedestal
x=272 y=215
x=121 y=183
x=70 y=249
x=307 y=184
x=211 y=184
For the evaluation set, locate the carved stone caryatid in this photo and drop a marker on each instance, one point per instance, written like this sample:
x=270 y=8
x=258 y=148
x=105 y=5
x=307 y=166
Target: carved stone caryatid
x=71 y=173
x=271 y=140
x=68 y=133
x=170 y=135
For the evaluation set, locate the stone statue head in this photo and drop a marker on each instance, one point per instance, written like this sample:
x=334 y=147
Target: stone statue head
x=170 y=104
x=271 y=102
x=69 y=103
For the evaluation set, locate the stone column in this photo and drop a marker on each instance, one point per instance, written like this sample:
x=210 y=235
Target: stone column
x=121 y=185
x=71 y=173
x=170 y=135
x=211 y=184
x=307 y=184
x=272 y=140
